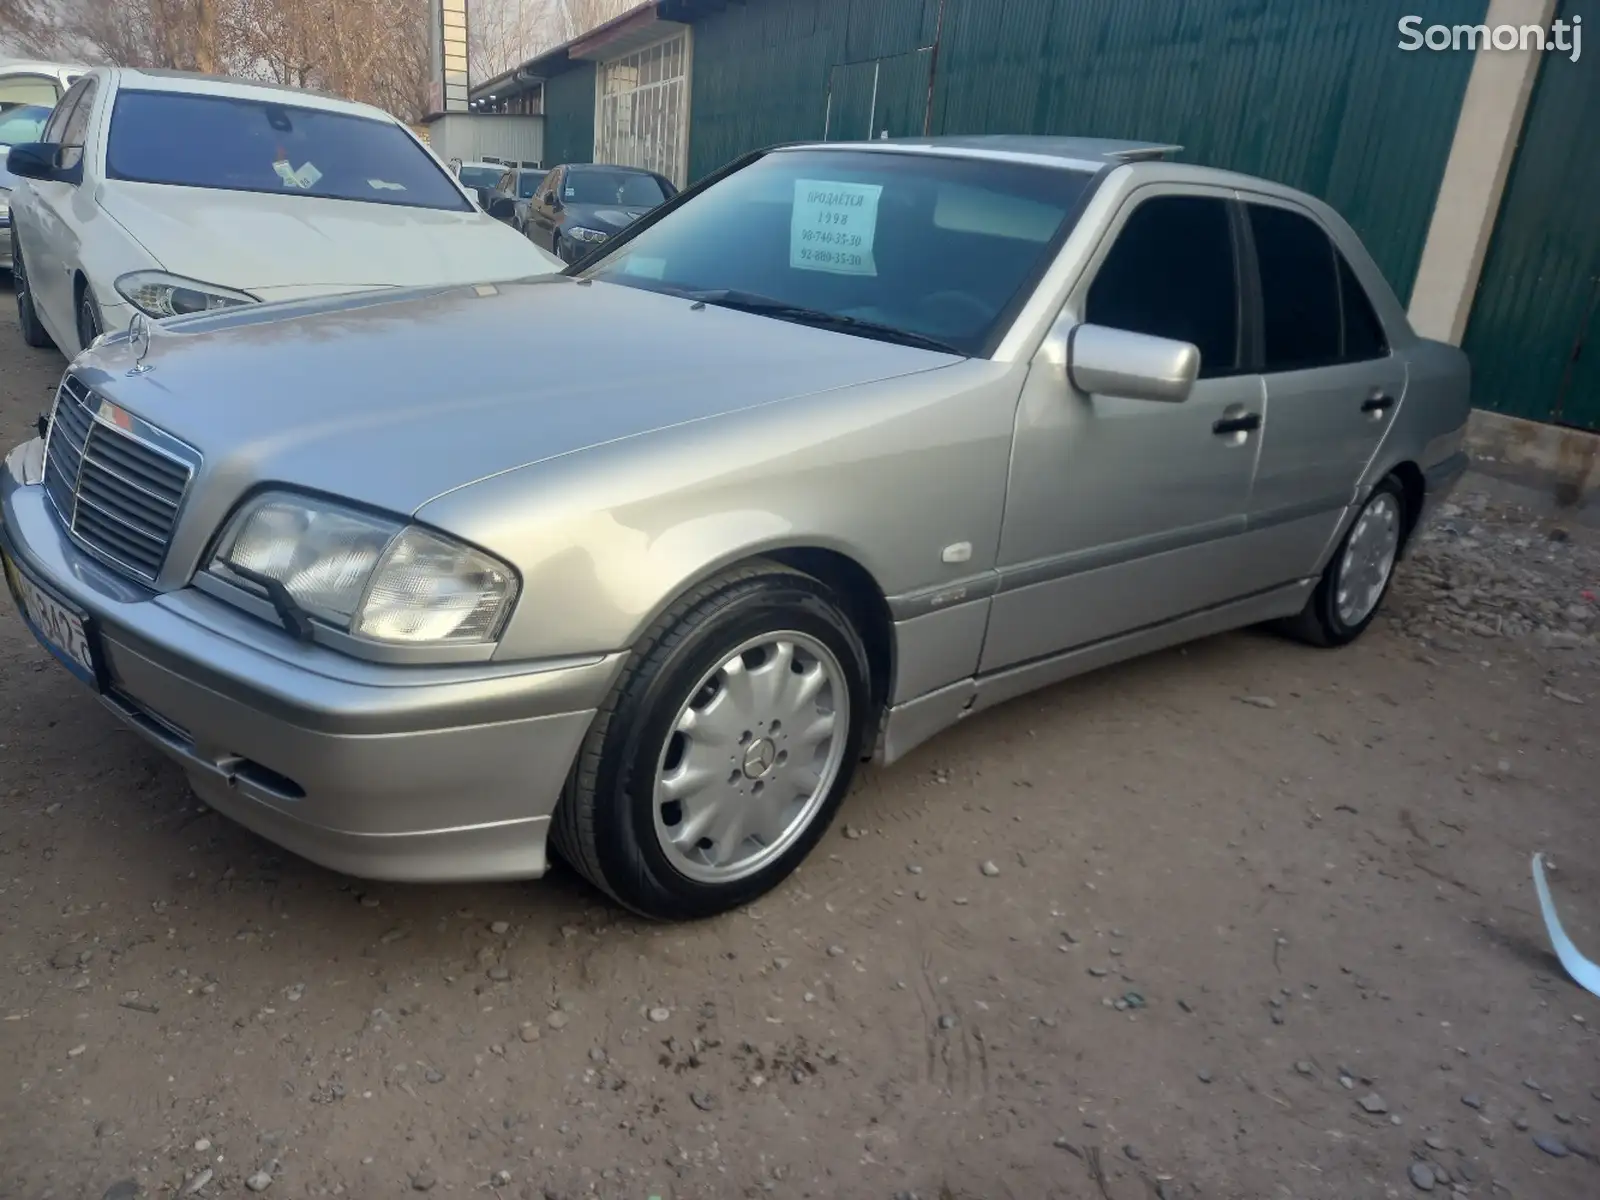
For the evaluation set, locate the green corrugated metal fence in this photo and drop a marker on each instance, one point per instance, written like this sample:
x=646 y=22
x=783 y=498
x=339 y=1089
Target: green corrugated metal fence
x=1315 y=93
x=1534 y=336
x=1312 y=93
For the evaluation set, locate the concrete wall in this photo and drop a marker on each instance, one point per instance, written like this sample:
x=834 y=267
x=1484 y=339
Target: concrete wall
x=1475 y=176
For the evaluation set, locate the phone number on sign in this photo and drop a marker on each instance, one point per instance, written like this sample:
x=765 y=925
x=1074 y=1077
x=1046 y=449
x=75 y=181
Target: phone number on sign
x=829 y=237
x=832 y=258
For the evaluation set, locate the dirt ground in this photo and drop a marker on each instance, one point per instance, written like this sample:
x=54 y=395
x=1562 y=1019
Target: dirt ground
x=1262 y=927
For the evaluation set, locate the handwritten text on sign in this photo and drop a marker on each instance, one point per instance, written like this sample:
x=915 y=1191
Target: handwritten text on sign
x=833 y=226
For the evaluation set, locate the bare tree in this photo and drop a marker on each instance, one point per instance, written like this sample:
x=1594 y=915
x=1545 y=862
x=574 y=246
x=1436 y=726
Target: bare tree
x=502 y=34
x=370 y=50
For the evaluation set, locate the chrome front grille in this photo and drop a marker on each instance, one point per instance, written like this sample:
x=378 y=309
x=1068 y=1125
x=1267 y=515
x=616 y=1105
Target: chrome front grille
x=116 y=482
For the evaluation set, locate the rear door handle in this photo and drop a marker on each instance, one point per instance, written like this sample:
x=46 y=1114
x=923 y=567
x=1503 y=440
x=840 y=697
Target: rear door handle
x=1381 y=402
x=1243 y=424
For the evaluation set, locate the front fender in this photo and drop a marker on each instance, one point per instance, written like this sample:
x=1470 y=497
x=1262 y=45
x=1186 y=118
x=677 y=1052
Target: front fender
x=888 y=475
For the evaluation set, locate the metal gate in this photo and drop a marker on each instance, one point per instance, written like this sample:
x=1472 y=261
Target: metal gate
x=883 y=97
x=1534 y=334
x=642 y=109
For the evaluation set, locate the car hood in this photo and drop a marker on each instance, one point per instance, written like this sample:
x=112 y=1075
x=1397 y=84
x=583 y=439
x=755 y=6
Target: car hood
x=393 y=399
x=255 y=241
x=606 y=217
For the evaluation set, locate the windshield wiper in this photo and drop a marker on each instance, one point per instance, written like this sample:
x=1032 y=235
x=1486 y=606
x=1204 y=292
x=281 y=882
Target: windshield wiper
x=766 y=306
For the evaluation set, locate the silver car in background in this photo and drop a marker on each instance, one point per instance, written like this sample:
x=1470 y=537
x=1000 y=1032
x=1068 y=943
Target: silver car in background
x=842 y=446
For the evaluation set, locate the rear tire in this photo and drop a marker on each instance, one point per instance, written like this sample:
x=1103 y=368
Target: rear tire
x=1357 y=578
x=690 y=797
x=33 y=331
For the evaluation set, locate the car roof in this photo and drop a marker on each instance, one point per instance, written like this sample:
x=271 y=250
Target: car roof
x=34 y=66
x=1076 y=152
x=155 y=79
x=607 y=167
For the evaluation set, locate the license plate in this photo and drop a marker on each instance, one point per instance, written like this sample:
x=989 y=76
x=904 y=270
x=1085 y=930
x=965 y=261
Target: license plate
x=60 y=629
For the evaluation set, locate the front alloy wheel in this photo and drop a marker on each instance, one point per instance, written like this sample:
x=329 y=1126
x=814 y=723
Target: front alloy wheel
x=725 y=748
x=752 y=756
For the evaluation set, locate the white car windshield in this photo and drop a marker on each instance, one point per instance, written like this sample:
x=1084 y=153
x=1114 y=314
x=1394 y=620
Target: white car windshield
x=938 y=249
x=23 y=124
x=247 y=145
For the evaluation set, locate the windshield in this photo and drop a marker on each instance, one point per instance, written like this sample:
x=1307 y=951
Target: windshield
x=611 y=187
x=23 y=124
x=257 y=146
x=481 y=177
x=528 y=185
x=944 y=248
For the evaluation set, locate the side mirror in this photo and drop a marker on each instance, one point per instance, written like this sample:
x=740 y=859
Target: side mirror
x=502 y=208
x=1136 y=366
x=36 y=160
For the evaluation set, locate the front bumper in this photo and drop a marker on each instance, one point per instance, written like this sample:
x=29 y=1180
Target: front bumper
x=384 y=772
x=5 y=244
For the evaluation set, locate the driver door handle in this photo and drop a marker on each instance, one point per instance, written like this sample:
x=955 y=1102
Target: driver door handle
x=1377 y=402
x=1240 y=424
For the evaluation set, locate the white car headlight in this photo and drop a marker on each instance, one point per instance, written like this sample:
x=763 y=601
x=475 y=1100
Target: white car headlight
x=582 y=233
x=157 y=294
x=371 y=576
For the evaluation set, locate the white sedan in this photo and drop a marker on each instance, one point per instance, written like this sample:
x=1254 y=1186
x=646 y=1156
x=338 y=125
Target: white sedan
x=169 y=194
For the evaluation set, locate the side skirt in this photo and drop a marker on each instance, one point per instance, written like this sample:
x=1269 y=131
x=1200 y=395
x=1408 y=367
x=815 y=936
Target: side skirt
x=909 y=725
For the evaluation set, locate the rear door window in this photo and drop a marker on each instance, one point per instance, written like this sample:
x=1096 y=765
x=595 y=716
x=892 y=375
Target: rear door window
x=1364 y=337
x=1300 y=305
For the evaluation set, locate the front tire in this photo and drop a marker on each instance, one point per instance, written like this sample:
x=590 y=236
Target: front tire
x=1357 y=578
x=724 y=750
x=33 y=331
x=90 y=325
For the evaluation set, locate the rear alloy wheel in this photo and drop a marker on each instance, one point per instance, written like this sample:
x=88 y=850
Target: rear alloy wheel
x=89 y=323
x=1357 y=578
x=725 y=749
x=33 y=331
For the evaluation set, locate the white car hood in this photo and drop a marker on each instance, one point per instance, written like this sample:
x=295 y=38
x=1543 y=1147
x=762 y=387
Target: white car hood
x=264 y=242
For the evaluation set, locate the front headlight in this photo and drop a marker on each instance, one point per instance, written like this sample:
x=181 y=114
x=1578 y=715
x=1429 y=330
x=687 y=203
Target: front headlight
x=367 y=575
x=5 y=205
x=157 y=294
x=582 y=233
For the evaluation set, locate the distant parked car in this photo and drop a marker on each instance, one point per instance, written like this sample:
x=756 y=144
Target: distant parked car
x=35 y=83
x=580 y=205
x=19 y=125
x=480 y=176
x=164 y=193
x=836 y=451
x=513 y=194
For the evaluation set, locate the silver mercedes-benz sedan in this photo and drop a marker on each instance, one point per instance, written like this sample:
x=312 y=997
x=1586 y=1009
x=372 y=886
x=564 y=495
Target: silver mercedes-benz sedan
x=842 y=446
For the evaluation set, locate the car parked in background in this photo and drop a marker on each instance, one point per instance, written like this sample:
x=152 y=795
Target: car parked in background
x=896 y=432
x=513 y=194
x=35 y=83
x=19 y=124
x=578 y=206
x=166 y=193
x=480 y=177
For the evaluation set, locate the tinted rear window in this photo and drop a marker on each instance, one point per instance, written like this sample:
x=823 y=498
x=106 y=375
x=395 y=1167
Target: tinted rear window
x=242 y=145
